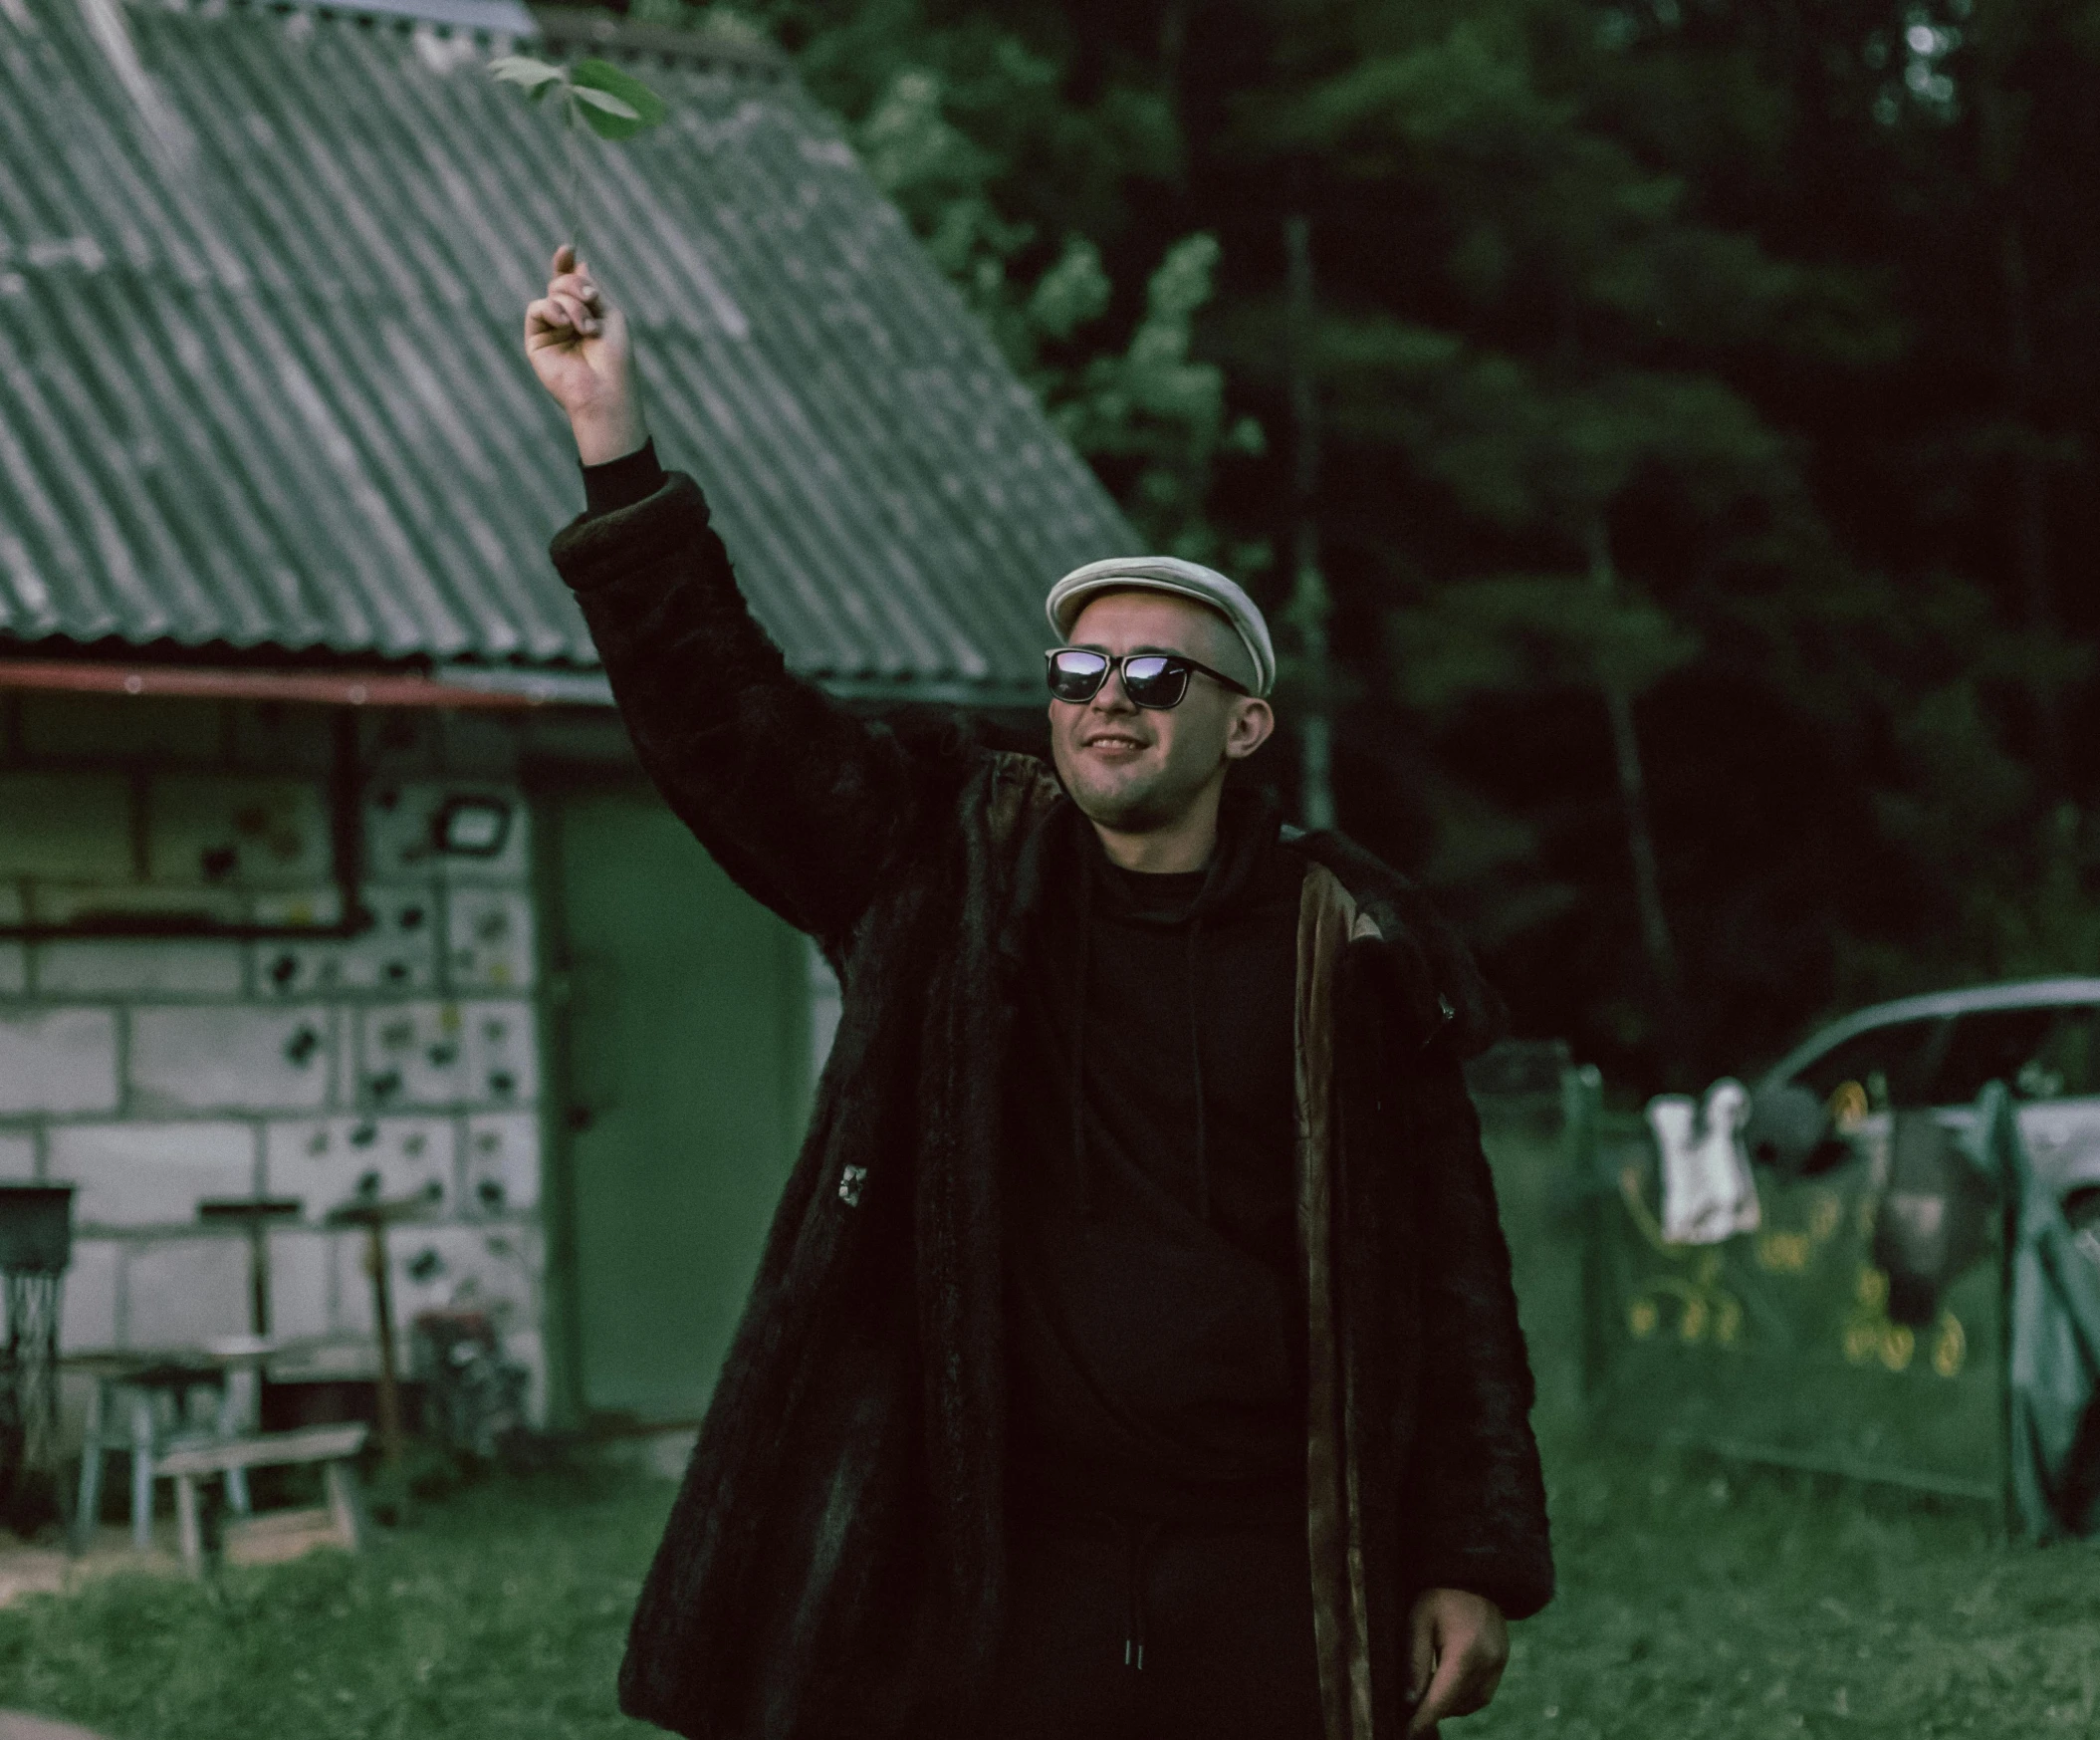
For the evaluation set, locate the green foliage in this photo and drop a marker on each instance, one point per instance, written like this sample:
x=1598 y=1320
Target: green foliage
x=1531 y=633
x=1154 y=404
x=614 y=104
x=1730 y=363
x=502 y=1611
x=594 y=95
x=1697 y=1598
x=971 y=125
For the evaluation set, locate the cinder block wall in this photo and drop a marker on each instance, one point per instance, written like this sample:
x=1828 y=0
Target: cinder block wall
x=156 y=1073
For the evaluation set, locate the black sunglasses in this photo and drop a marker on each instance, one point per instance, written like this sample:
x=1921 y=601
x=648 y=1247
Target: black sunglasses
x=1151 y=679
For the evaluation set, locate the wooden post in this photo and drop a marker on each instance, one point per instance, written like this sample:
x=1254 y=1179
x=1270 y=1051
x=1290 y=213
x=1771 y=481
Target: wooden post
x=382 y=1313
x=253 y=1216
x=189 y=1527
x=344 y=1501
x=376 y=1217
x=1310 y=604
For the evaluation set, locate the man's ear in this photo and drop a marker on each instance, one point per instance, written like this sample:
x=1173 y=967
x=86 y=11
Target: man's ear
x=1251 y=724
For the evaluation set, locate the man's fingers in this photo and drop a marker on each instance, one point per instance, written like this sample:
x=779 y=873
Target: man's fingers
x=565 y=258
x=579 y=286
x=1446 y=1695
x=579 y=316
x=1421 y=1652
x=551 y=321
x=562 y=316
x=1465 y=1681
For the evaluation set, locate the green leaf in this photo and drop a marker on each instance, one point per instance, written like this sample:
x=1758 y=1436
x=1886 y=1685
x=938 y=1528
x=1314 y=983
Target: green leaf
x=616 y=104
x=607 y=103
x=531 y=76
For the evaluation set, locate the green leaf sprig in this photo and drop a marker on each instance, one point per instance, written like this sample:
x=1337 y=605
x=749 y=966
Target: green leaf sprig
x=595 y=94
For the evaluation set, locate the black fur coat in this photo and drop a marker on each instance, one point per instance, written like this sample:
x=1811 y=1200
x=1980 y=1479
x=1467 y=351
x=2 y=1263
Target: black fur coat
x=833 y=1567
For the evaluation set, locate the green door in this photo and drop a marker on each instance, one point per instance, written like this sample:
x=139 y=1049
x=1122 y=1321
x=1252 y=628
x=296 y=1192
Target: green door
x=684 y=1014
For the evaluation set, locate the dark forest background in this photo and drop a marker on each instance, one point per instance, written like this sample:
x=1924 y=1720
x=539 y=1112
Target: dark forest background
x=1663 y=430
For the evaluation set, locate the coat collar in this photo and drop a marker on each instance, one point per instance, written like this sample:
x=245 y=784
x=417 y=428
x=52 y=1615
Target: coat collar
x=1431 y=970
x=1428 y=965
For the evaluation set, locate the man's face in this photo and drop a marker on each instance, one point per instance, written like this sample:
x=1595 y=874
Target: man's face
x=1135 y=769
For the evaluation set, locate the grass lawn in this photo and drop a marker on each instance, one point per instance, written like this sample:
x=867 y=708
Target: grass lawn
x=499 y=1614
x=1699 y=1601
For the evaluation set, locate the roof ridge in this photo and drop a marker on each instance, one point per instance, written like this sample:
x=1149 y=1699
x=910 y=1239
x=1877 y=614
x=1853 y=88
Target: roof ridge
x=596 y=26
x=560 y=26
x=494 y=18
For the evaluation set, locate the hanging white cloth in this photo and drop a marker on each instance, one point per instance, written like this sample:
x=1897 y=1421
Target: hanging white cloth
x=1708 y=1193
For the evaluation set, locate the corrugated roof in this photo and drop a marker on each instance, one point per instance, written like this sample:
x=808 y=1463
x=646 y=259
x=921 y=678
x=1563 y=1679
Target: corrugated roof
x=260 y=282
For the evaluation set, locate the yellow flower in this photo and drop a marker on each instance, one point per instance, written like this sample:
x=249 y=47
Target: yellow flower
x=1950 y=1345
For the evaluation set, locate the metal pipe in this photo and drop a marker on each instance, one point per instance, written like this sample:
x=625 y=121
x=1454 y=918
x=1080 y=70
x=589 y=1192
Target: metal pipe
x=506 y=691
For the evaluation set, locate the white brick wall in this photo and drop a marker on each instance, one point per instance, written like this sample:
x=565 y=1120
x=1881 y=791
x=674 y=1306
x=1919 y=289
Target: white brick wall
x=153 y=1073
x=215 y=1057
x=98 y=969
x=151 y=1174
x=500 y=1169
x=14 y=958
x=489 y=938
x=221 y=829
x=67 y=826
x=87 y=1312
x=18 y=1156
x=398 y=955
x=303 y=1282
x=325 y=1161
x=178 y=1291
x=58 y=1060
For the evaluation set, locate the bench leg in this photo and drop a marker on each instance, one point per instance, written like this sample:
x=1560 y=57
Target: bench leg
x=237 y=1409
x=189 y=1527
x=86 y=1510
x=344 y=1501
x=141 y=1469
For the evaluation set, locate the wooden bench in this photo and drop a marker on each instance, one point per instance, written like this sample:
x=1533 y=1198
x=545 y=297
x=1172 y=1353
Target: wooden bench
x=330 y=1446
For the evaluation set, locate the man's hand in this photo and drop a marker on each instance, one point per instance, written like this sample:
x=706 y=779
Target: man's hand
x=1458 y=1645
x=577 y=343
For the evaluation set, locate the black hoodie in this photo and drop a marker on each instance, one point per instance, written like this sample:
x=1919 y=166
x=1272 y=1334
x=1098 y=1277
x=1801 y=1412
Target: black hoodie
x=1155 y=1319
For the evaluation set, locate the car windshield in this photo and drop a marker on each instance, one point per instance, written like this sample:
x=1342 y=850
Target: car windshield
x=1887 y=1065
x=2042 y=1053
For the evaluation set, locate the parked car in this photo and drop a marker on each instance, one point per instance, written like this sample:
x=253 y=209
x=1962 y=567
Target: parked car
x=2041 y=1038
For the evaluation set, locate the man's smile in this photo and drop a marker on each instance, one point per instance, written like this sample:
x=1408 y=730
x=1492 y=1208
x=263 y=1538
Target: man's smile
x=1112 y=740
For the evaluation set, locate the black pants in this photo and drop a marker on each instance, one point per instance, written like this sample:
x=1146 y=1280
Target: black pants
x=1128 y=1629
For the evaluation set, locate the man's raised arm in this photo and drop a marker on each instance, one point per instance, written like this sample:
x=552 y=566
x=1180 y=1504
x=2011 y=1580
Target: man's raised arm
x=803 y=804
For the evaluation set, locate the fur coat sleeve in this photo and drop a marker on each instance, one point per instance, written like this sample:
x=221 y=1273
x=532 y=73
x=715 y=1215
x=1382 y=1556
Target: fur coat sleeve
x=807 y=807
x=1474 y=1474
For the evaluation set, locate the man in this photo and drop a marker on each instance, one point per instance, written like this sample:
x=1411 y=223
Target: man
x=1133 y=1353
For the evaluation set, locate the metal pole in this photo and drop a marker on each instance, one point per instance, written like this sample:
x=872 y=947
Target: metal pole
x=382 y=1310
x=1310 y=604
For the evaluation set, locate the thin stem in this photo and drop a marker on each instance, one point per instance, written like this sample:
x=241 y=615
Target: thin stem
x=573 y=150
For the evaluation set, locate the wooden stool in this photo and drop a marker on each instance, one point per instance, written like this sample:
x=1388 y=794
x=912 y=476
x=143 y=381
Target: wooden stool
x=330 y=1446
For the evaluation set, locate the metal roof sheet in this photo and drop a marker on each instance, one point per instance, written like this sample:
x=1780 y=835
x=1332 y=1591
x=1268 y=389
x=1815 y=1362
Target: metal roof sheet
x=261 y=283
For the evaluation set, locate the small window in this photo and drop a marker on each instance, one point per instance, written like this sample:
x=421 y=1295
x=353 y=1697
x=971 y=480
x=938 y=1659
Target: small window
x=2039 y=1053
x=1886 y=1062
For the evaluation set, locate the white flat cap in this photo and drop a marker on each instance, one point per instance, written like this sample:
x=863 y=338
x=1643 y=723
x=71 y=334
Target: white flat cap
x=1169 y=574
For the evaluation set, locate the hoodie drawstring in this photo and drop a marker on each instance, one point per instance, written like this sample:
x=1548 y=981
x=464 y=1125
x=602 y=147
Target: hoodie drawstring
x=1138 y=1541
x=1203 y=1166
x=1081 y=1195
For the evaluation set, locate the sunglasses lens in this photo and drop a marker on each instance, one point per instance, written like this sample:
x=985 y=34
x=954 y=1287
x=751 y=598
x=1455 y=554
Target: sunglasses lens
x=1074 y=676
x=1154 y=681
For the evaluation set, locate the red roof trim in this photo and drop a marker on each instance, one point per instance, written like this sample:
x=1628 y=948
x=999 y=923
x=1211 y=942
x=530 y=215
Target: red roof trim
x=317 y=688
